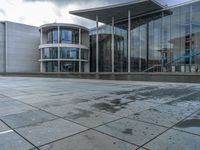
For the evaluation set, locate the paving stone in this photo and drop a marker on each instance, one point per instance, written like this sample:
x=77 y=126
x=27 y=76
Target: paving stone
x=12 y=141
x=156 y=117
x=50 y=131
x=175 y=140
x=176 y=110
x=28 y=118
x=13 y=107
x=132 y=131
x=90 y=140
x=3 y=127
x=191 y=124
x=89 y=118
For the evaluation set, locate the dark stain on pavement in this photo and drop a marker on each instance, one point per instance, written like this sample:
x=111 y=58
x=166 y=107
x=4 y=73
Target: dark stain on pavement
x=80 y=114
x=128 y=131
x=189 y=123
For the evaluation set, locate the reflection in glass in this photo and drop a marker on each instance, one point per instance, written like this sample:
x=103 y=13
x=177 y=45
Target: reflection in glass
x=69 y=53
x=51 y=66
x=50 y=53
x=68 y=36
x=68 y=66
x=52 y=36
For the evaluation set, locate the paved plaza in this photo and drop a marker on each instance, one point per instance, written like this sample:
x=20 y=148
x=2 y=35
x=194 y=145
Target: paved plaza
x=75 y=114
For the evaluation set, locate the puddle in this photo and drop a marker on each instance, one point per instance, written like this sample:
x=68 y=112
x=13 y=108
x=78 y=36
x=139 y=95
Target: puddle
x=81 y=114
x=128 y=131
x=189 y=123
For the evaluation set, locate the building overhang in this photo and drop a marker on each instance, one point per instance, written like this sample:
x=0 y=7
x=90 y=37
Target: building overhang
x=119 y=11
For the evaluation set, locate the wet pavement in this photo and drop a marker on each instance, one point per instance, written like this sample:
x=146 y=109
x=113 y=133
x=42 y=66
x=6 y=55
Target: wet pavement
x=74 y=114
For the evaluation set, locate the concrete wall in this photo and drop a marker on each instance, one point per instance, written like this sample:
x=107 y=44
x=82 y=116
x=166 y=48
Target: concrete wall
x=2 y=46
x=22 y=48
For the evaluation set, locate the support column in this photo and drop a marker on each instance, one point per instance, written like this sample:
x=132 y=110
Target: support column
x=140 y=57
x=191 y=39
x=162 y=43
x=113 y=45
x=129 y=41
x=97 y=44
x=41 y=61
x=80 y=49
x=6 y=47
x=58 y=48
x=41 y=36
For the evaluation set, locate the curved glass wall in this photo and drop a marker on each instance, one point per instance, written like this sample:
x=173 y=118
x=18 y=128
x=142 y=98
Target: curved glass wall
x=50 y=53
x=52 y=36
x=69 y=66
x=69 y=53
x=50 y=66
x=69 y=36
x=105 y=50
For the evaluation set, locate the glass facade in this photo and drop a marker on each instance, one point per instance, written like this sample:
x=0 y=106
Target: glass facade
x=63 y=57
x=52 y=36
x=69 y=66
x=165 y=41
x=105 y=50
x=50 y=53
x=69 y=36
x=69 y=53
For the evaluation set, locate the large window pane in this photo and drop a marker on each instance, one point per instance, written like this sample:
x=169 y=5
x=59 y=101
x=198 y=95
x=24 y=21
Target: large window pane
x=52 y=36
x=51 y=66
x=67 y=66
x=50 y=53
x=69 y=53
x=68 y=36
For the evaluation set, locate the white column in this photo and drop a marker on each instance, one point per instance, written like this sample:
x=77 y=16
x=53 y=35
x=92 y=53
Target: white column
x=41 y=36
x=129 y=41
x=41 y=61
x=113 y=46
x=58 y=48
x=97 y=44
x=140 y=57
x=80 y=49
x=41 y=42
x=6 y=47
x=191 y=38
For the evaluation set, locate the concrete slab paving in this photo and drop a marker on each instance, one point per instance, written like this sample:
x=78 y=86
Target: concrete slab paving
x=29 y=118
x=190 y=124
x=50 y=131
x=90 y=118
x=11 y=141
x=53 y=113
x=156 y=117
x=3 y=127
x=90 y=140
x=176 y=110
x=175 y=140
x=13 y=107
x=132 y=131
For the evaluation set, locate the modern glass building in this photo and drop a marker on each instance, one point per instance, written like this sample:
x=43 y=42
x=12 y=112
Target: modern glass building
x=144 y=36
x=64 y=48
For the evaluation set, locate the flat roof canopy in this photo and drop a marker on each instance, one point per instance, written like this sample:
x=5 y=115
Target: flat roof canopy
x=120 y=11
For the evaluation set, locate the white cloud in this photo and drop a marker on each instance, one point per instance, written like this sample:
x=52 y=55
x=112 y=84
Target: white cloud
x=37 y=13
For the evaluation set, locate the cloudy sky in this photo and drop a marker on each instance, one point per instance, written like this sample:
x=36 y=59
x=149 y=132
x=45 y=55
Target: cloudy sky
x=38 y=12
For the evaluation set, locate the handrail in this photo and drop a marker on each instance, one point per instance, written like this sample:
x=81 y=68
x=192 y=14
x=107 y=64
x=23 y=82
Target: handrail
x=179 y=58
